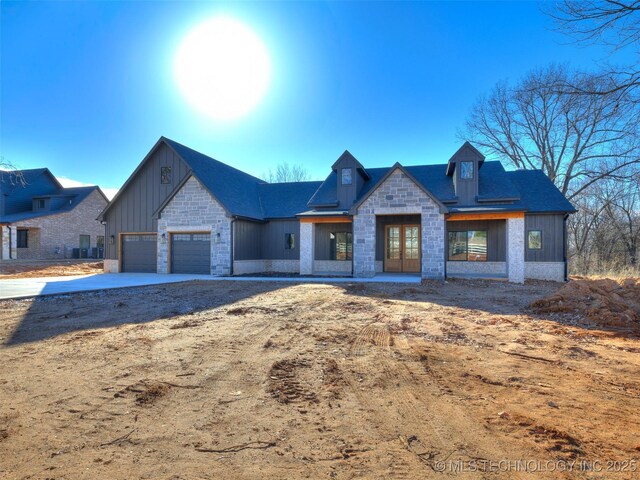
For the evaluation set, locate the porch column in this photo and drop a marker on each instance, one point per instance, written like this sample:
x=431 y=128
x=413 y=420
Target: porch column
x=307 y=247
x=13 y=242
x=433 y=244
x=364 y=245
x=515 y=249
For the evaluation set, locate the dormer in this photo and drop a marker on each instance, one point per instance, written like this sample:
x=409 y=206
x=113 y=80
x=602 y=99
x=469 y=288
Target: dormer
x=350 y=176
x=41 y=204
x=464 y=168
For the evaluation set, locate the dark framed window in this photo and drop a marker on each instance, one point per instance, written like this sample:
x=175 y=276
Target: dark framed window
x=466 y=170
x=165 y=174
x=468 y=246
x=40 y=203
x=346 y=176
x=534 y=240
x=100 y=241
x=22 y=239
x=289 y=241
x=341 y=245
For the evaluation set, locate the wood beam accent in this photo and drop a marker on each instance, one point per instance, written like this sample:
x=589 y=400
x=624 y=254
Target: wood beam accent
x=459 y=217
x=340 y=219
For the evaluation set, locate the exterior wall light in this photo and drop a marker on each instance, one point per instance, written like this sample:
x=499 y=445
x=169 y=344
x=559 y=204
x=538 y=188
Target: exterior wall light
x=163 y=238
x=112 y=240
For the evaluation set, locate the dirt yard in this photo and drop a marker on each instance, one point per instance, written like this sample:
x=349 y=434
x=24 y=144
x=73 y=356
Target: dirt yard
x=221 y=380
x=17 y=269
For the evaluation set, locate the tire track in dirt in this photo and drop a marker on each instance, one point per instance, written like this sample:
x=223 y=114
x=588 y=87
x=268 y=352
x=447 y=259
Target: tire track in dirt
x=415 y=405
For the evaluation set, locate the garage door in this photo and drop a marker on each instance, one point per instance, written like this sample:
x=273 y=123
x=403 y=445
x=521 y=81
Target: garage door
x=139 y=253
x=191 y=253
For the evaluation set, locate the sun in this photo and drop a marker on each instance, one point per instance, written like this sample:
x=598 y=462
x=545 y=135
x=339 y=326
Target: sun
x=222 y=68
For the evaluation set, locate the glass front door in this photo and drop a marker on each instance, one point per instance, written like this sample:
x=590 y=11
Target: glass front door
x=402 y=248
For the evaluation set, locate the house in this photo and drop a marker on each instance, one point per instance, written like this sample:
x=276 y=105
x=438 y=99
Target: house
x=183 y=212
x=42 y=220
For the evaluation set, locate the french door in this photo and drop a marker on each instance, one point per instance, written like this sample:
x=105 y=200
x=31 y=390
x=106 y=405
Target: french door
x=402 y=248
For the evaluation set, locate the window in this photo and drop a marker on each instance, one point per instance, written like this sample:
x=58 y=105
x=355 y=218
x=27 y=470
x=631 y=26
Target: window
x=23 y=239
x=341 y=245
x=466 y=170
x=534 y=240
x=165 y=175
x=470 y=246
x=346 y=176
x=100 y=241
x=40 y=204
x=289 y=241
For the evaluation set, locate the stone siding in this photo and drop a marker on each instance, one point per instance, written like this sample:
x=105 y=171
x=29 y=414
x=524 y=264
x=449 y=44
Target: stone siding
x=399 y=195
x=193 y=209
x=331 y=266
x=245 y=267
x=515 y=249
x=476 y=268
x=111 y=266
x=544 y=271
x=307 y=247
x=55 y=236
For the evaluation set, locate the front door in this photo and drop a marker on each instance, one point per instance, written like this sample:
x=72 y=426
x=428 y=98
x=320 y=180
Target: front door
x=402 y=248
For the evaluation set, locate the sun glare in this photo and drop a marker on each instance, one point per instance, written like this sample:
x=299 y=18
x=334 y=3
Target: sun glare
x=222 y=68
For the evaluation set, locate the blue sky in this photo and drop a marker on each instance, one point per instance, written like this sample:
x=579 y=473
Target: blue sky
x=87 y=88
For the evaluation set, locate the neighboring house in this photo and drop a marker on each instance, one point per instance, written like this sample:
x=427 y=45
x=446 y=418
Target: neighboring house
x=184 y=212
x=40 y=219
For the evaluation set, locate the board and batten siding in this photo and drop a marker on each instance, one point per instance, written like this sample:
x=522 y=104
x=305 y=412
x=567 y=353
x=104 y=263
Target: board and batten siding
x=496 y=236
x=265 y=241
x=134 y=208
x=323 y=240
x=552 y=227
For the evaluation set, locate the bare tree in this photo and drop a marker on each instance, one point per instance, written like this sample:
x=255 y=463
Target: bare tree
x=285 y=173
x=9 y=174
x=576 y=140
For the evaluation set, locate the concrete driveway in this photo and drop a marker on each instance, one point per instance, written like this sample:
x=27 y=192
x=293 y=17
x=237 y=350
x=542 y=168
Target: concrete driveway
x=34 y=287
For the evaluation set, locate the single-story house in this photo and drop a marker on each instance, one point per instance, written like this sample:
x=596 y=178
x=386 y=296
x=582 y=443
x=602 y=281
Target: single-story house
x=184 y=212
x=42 y=220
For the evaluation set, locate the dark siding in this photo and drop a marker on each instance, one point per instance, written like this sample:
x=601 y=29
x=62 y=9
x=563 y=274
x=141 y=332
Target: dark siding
x=322 y=244
x=466 y=190
x=273 y=240
x=382 y=221
x=348 y=193
x=247 y=240
x=552 y=227
x=496 y=236
x=134 y=208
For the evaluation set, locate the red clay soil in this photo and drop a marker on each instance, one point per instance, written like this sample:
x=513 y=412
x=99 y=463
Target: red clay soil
x=604 y=301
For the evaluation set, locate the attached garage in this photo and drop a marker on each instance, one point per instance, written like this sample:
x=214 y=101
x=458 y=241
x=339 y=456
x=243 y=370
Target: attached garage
x=139 y=252
x=191 y=253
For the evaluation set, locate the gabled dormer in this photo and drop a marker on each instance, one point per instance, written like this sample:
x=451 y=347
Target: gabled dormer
x=350 y=177
x=464 y=168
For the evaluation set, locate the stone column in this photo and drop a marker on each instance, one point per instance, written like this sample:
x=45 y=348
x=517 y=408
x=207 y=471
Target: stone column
x=515 y=249
x=433 y=242
x=364 y=245
x=14 y=242
x=5 y=243
x=307 y=247
x=163 y=249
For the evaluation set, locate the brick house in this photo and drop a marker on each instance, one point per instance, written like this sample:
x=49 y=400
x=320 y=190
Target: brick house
x=42 y=220
x=183 y=212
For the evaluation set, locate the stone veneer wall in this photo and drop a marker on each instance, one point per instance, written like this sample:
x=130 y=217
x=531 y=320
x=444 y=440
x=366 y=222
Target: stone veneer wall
x=5 y=243
x=544 y=271
x=515 y=249
x=55 y=236
x=476 y=268
x=307 y=247
x=331 y=266
x=245 y=267
x=398 y=195
x=193 y=209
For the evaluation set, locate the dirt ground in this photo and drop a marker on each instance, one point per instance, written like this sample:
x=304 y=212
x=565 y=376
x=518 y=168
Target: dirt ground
x=222 y=380
x=17 y=269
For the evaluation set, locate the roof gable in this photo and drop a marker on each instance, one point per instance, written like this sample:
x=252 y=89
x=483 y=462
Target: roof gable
x=465 y=153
